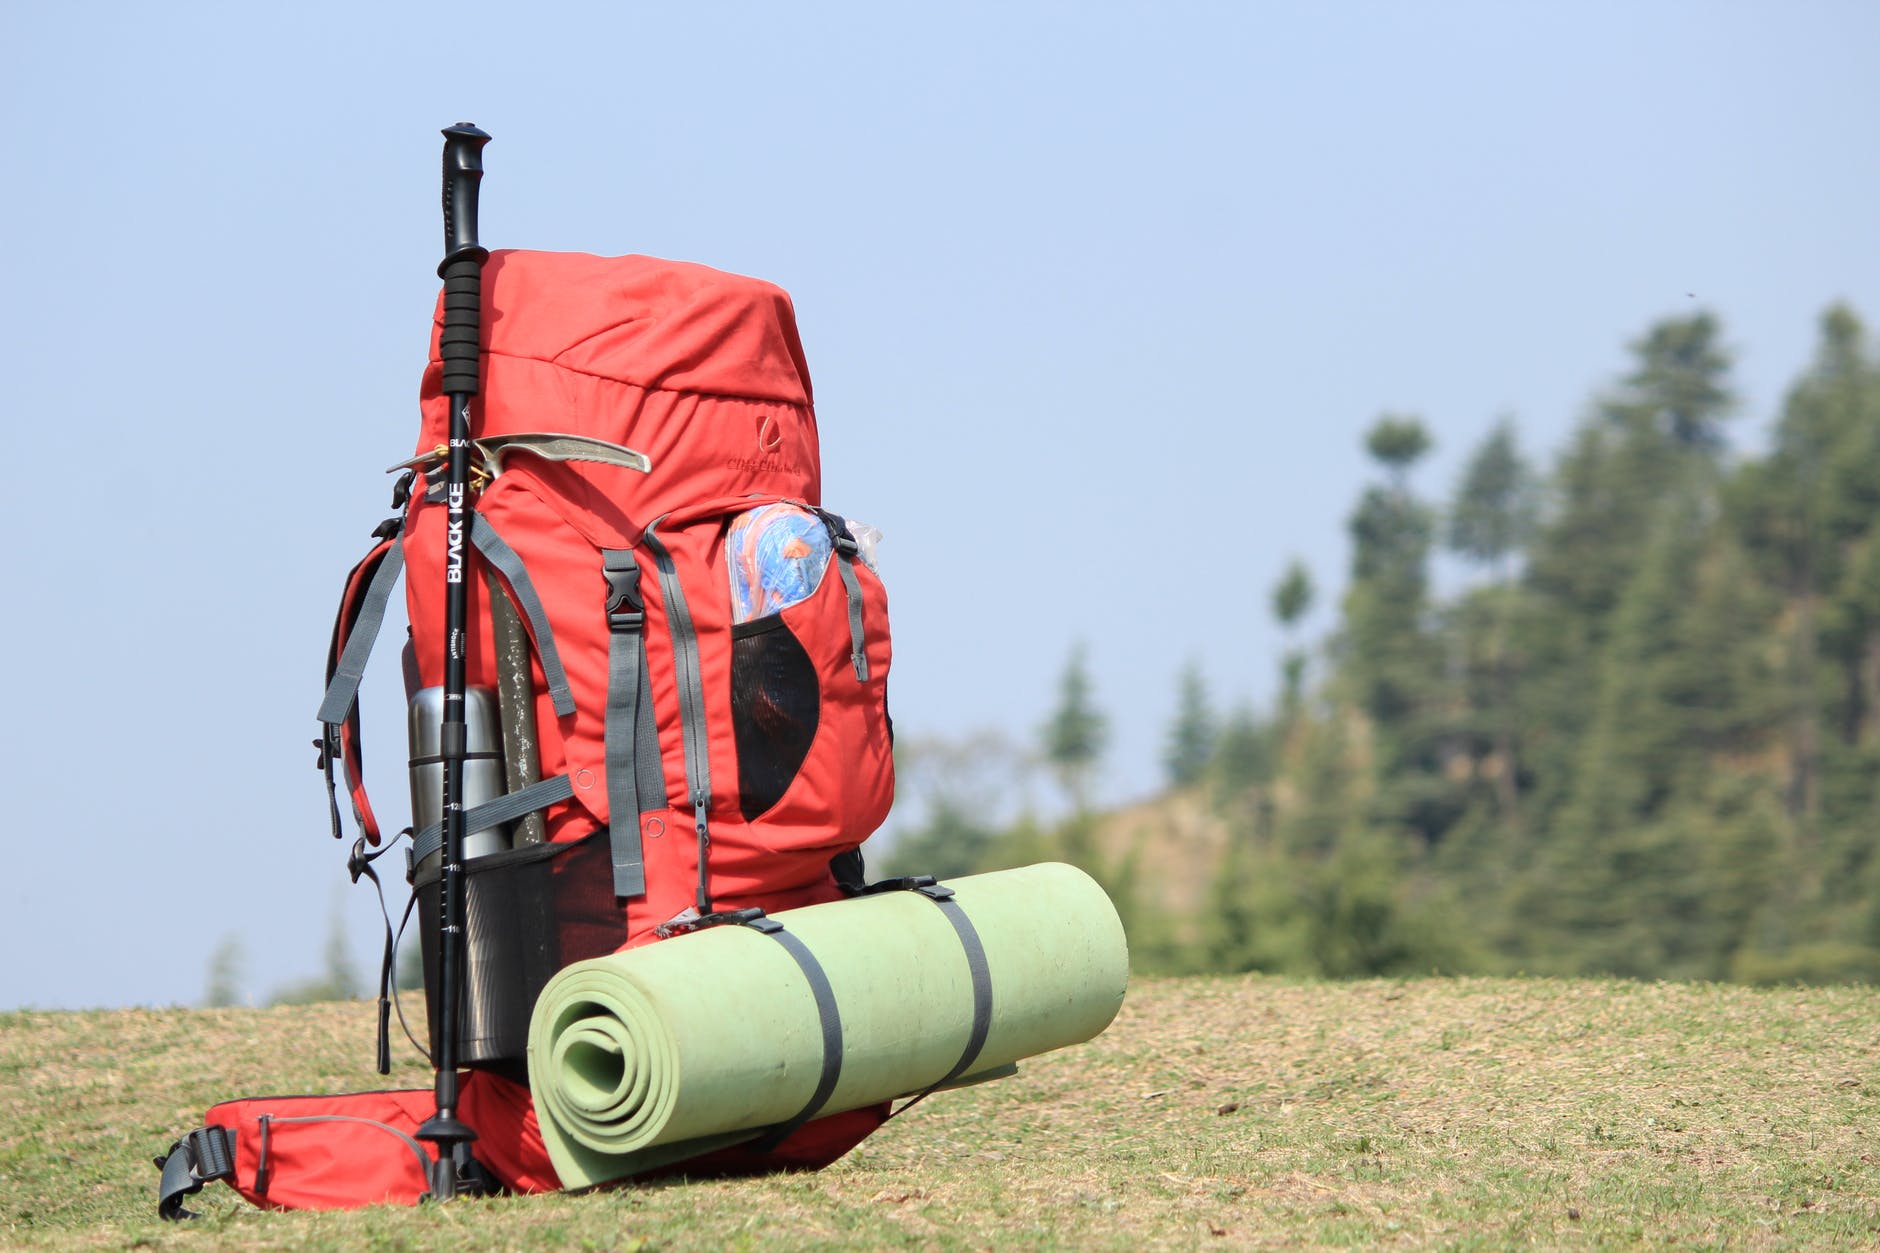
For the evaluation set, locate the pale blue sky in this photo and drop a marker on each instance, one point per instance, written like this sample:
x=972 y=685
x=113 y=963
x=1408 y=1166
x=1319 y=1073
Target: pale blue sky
x=1098 y=300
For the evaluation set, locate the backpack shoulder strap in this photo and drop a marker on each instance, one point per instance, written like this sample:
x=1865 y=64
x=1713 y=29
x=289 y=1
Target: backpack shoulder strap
x=355 y=629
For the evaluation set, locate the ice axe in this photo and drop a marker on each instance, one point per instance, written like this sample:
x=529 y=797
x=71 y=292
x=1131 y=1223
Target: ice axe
x=462 y=272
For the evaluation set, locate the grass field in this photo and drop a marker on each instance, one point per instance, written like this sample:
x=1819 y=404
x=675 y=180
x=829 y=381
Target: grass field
x=1232 y=1113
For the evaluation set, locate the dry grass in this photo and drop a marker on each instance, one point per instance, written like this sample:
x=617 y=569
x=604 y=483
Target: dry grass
x=1244 y=1113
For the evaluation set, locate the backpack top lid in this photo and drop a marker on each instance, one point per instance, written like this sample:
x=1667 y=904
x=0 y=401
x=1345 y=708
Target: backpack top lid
x=665 y=325
x=701 y=370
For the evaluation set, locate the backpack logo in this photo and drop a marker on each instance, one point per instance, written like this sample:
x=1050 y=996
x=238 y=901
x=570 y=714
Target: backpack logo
x=769 y=442
x=769 y=438
x=453 y=535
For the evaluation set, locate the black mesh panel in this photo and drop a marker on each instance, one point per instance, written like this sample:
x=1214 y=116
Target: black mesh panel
x=774 y=707
x=528 y=913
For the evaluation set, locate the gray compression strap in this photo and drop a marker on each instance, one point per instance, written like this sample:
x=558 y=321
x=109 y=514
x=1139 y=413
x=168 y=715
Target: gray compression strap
x=635 y=782
x=976 y=966
x=846 y=548
x=698 y=769
x=505 y=808
x=942 y=896
x=343 y=690
x=829 y=1016
x=498 y=553
x=858 y=649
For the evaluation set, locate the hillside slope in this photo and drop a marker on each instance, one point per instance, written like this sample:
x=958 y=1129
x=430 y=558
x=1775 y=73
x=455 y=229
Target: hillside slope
x=1251 y=1112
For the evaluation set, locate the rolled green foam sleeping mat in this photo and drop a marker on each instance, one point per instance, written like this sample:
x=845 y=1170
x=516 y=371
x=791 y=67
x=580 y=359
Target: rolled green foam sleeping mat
x=707 y=1039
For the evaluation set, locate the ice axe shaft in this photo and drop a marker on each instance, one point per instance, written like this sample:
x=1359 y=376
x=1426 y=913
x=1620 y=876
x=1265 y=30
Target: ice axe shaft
x=515 y=701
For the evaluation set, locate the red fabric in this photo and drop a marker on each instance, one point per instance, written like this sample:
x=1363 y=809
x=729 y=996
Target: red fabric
x=701 y=370
x=346 y=1157
x=340 y=1151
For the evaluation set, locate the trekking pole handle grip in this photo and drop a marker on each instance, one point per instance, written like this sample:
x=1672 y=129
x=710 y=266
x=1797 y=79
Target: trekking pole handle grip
x=462 y=266
x=463 y=172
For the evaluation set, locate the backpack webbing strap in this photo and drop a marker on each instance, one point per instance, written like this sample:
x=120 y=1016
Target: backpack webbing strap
x=698 y=766
x=980 y=971
x=202 y=1156
x=846 y=549
x=331 y=749
x=827 y=1013
x=360 y=863
x=506 y=808
x=498 y=553
x=342 y=687
x=976 y=966
x=358 y=626
x=635 y=781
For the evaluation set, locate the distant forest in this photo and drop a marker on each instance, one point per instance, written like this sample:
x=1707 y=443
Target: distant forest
x=1643 y=741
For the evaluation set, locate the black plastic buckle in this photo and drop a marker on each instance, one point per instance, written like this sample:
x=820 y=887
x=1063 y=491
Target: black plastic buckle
x=925 y=884
x=203 y=1156
x=911 y=883
x=212 y=1149
x=752 y=917
x=623 y=589
x=838 y=528
x=389 y=528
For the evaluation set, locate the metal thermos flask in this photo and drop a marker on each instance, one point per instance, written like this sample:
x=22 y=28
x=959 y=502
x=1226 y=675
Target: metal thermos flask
x=482 y=767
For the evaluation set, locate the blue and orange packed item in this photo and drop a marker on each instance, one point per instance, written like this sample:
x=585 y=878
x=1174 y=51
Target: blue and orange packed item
x=777 y=555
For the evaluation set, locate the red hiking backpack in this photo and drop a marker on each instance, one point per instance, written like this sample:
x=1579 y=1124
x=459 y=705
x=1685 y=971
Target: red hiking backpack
x=703 y=698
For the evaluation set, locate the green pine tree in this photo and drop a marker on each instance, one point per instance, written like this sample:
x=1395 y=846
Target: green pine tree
x=1292 y=600
x=1192 y=735
x=1077 y=733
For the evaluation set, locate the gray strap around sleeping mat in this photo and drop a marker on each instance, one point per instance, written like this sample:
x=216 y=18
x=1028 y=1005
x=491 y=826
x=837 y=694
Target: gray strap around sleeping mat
x=981 y=972
x=831 y=1019
x=976 y=966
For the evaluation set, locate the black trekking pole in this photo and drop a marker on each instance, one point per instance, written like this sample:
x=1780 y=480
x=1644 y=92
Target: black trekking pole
x=462 y=272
